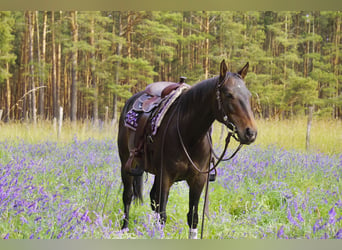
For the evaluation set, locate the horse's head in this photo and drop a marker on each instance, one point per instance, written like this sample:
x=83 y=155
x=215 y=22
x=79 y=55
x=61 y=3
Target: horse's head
x=234 y=108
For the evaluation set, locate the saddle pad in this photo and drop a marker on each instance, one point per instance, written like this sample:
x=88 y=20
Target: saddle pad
x=132 y=119
x=169 y=100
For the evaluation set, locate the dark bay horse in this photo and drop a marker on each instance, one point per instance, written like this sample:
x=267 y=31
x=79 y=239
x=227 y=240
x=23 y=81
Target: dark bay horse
x=224 y=98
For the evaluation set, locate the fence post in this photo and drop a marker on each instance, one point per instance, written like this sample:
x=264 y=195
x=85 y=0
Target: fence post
x=309 y=127
x=60 y=121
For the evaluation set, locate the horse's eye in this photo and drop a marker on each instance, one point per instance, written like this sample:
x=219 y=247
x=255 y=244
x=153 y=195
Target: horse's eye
x=229 y=95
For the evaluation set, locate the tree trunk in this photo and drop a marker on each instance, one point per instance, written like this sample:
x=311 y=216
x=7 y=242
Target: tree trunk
x=73 y=91
x=38 y=57
x=337 y=57
x=206 y=46
x=58 y=66
x=92 y=70
x=41 y=62
x=8 y=97
x=30 y=16
x=54 y=69
x=117 y=67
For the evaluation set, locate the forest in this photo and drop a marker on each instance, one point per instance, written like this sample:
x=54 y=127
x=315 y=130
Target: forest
x=89 y=63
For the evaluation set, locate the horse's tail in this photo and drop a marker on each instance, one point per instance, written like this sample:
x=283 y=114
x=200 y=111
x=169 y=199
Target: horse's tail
x=138 y=187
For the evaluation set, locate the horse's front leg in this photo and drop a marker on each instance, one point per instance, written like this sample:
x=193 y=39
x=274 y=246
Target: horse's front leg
x=159 y=197
x=196 y=186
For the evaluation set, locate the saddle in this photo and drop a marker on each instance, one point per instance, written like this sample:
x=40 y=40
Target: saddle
x=139 y=117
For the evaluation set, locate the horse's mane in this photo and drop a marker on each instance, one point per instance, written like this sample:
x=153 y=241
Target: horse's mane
x=198 y=92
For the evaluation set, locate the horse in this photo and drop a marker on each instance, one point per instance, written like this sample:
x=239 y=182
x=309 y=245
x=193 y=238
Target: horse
x=181 y=149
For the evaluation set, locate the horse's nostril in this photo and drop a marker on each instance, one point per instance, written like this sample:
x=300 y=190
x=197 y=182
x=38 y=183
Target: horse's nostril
x=250 y=133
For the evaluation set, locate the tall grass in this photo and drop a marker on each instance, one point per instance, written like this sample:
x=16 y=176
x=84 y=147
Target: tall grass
x=326 y=135
x=46 y=130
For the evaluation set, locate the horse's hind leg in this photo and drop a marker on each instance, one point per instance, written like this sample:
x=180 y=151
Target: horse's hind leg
x=153 y=196
x=127 y=196
x=196 y=187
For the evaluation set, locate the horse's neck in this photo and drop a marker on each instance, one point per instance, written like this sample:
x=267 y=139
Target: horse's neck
x=197 y=114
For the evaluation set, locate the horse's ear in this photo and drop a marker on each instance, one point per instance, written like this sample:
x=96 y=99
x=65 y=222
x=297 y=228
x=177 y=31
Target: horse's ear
x=223 y=70
x=243 y=71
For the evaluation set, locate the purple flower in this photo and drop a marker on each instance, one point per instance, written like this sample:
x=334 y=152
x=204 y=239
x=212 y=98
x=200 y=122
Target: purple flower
x=60 y=235
x=280 y=232
x=325 y=236
x=290 y=218
x=38 y=218
x=338 y=235
x=6 y=237
x=316 y=226
x=85 y=217
x=23 y=220
x=299 y=217
x=332 y=214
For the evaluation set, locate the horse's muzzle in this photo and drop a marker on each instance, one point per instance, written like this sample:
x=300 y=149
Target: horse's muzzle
x=249 y=136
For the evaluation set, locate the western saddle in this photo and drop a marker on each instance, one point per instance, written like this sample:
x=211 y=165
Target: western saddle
x=143 y=111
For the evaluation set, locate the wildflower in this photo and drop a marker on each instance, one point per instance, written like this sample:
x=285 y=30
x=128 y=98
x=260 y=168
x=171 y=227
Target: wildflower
x=325 y=236
x=38 y=218
x=23 y=220
x=290 y=218
x=60 y=235
x=6 y=237
x=280 y=232
x=338 y=235
x=332 y=214
x=299 y=217
x=85 y=216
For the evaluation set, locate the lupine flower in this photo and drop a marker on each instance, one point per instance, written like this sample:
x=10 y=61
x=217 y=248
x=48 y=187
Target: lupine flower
x=290 y=218
x=299 y=217
x=338 y=235
x=280 y=232
x=332 y=214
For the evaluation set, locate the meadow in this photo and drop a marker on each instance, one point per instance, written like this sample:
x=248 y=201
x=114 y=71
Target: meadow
x=69 y=187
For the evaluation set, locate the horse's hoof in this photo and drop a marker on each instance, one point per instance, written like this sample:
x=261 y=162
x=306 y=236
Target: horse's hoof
x=193 y=233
